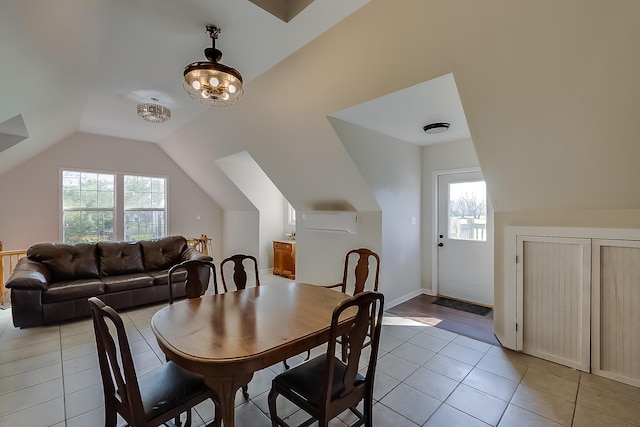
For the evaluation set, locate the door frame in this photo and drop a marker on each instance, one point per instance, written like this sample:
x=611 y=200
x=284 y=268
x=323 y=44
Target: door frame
x=434 y=226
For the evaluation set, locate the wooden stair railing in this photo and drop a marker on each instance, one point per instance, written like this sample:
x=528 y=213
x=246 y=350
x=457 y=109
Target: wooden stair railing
x=202 y=244
x=8 y=261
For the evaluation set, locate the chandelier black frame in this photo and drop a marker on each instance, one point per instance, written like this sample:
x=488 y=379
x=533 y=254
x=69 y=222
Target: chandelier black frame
x=211 y=82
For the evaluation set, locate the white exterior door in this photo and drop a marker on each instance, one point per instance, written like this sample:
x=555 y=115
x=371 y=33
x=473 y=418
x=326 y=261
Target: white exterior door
x=465 y=238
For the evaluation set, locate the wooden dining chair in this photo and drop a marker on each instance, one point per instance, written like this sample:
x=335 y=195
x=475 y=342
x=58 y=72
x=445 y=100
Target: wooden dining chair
x=189 y=271
x=155 y=398
x=358 y=263
x=325 y=386
x=355 y=275
x=241 y=263
x=239 y=279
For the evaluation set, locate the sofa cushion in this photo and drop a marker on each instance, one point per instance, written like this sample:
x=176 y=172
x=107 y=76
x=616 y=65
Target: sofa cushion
x=72 y=289
x=67 y=261
x=117 y=258
x=126 y=282
x=161 y=254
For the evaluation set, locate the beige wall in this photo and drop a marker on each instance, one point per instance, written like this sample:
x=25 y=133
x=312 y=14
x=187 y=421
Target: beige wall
x=391 y=169
x=30 y=194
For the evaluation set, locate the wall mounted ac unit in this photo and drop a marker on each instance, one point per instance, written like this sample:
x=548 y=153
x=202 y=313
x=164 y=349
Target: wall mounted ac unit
x=337 y=222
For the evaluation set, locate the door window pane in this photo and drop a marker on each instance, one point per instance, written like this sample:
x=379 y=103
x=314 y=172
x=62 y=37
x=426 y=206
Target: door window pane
x=468 y=211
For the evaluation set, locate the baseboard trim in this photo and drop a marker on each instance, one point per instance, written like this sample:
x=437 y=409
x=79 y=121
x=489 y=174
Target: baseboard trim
x=407 y=297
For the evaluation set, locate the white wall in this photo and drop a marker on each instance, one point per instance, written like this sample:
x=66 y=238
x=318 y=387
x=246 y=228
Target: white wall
x=453 y=155
x=391 y=168
x=320 y=254
x=30 y=194
x=240 y=233
x=247 y=175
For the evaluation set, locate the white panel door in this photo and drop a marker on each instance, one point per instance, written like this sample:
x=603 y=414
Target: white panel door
x=616 y=310
x=465 y=238
x=554 y=281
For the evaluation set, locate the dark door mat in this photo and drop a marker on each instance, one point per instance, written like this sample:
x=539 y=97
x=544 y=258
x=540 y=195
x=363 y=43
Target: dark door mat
x=464 y=306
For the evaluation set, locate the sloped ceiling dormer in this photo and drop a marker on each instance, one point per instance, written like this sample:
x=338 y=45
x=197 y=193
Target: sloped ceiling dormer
x=549 y=90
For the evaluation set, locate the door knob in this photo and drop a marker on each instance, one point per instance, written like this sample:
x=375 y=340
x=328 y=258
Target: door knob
x=440 y=244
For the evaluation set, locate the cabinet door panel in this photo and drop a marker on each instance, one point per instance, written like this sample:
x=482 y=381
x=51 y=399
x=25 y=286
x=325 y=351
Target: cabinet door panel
x=555 y=282
x=616 y=317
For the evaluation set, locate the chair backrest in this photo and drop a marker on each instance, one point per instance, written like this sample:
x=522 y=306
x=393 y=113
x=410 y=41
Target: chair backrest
x=194 y=286
x=359 y=262
x=366 y=308
x=119 y=379
x=240 y=264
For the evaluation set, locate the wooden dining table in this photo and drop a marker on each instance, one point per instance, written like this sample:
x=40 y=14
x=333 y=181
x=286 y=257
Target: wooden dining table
x=227 y=337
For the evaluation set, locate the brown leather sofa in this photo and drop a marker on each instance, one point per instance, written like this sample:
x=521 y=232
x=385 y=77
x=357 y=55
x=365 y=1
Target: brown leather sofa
x=53 y=282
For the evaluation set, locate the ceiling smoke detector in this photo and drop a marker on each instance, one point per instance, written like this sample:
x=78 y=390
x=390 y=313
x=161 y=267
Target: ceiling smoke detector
x=434 y=128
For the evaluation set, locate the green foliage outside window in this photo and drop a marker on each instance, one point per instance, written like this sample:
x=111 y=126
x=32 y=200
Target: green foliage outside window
x=144 y=204
x=88 y=203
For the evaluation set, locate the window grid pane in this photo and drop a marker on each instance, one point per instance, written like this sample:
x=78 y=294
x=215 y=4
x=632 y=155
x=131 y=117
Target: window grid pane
x=88 y=206
x=144 y=224
x=145 y=212
x=87 y=226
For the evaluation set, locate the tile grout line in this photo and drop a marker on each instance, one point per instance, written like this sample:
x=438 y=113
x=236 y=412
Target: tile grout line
x=64 y=394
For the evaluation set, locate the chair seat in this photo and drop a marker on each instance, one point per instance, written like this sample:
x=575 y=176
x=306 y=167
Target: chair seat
x=306 y=379
x=167 y=387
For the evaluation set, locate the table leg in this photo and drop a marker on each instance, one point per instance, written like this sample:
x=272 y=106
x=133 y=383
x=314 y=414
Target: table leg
x=226 y=388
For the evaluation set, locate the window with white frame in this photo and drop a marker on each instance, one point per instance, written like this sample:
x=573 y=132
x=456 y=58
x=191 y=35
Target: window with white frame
x=144 y=207
x=99 y=206
x=88 y=206
x=291 y=215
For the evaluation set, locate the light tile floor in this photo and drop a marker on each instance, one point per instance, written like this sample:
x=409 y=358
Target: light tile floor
x=425 y=377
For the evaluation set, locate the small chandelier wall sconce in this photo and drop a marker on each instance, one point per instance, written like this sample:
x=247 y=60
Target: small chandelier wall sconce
x=210 y=82
x=154 y=113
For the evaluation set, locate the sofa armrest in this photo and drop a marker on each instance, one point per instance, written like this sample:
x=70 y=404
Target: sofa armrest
x=191 y=253
x=29 y=275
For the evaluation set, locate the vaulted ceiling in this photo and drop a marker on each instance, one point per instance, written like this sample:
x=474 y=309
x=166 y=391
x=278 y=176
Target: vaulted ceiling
x=548 y=88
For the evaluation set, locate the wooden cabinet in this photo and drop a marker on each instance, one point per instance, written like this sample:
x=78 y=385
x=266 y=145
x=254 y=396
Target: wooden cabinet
x=284 y=258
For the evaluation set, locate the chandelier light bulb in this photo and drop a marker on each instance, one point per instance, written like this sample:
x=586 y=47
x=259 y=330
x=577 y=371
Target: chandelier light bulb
x=232 y=89
x=206 y=93
x=213 y=81
x=224 y=96
x=196 y=84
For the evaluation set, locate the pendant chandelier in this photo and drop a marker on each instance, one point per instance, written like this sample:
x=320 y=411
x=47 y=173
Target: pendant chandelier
x=210 y=82
x=154 y=113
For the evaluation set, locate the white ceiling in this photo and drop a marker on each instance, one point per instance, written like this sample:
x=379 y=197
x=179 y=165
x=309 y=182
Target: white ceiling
x=403 y=114
x=103 y=57
x=151 y=41
x=84 y=65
